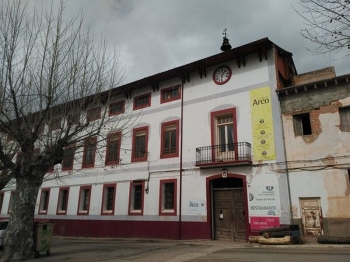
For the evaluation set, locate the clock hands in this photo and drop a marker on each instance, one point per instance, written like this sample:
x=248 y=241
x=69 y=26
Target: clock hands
x=222 y=75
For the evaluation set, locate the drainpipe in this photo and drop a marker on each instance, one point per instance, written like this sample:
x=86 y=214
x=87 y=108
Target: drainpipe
x=286 y=164
x=181 y=144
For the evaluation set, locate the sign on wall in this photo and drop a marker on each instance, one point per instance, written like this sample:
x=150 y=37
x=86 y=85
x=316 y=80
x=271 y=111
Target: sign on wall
x=195 y=206
x=262 y=124
x=264 y=206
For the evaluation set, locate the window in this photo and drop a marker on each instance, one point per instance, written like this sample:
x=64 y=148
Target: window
x=224 y=135
x=116 y=108
x=1 y=200
x=142 y=101
x=344 y=114
x=68 y=158
x=170 y=139
x=302 y=124
x=44 y=201
x=108 y=198
x=12 y=196
x=36 y=153
x=136 y=198
x=113 y=149
x=9 y=138
x=93 y=114
x=89 y=152
x=140 y=144
x=170 y=94
x=51 y=168
x=62 y=203
x=167 y=198
x=73 y=118
x=41 y=128
x=84 y=200
x=55 y=123
x=18 y=157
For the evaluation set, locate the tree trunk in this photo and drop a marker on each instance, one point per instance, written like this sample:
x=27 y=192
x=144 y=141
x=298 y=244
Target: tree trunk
x=19 y=234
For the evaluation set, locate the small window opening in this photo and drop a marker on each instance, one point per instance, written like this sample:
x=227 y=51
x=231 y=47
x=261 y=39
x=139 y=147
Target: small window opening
x=302 y=124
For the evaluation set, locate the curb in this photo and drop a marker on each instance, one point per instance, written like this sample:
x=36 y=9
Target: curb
x=234 y=244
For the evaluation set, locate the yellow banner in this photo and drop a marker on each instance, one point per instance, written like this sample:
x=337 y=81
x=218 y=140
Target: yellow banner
x=262 y=124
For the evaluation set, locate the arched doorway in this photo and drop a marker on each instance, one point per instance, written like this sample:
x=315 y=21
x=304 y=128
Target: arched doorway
x=228 y=207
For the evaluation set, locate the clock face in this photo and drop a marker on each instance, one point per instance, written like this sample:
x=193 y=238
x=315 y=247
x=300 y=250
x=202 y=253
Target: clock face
x=222 y=75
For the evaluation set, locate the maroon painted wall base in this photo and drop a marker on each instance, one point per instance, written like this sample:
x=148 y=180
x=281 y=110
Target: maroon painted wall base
x=129 y=229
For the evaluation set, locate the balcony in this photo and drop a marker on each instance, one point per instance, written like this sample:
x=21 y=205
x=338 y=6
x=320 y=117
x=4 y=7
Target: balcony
x=224 y=155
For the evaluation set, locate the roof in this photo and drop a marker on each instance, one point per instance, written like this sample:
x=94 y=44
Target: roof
x=259 y=47
x=320 y=84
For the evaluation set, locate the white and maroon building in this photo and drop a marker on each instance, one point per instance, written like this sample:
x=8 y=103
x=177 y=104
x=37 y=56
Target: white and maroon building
x=202 y=161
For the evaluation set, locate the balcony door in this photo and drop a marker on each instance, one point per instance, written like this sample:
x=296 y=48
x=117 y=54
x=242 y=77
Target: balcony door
x=225 y=149
x=224 y=135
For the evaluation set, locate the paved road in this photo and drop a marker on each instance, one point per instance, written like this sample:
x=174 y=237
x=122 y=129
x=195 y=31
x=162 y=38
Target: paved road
x=193 y=251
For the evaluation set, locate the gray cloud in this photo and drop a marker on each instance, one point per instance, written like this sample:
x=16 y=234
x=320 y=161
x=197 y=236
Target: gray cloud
x=157 y=35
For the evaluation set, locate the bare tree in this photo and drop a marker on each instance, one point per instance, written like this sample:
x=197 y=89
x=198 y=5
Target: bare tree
x=55 y=83
x=328 y=26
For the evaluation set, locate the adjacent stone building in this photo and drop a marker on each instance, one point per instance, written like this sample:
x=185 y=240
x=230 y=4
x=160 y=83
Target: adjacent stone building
x=316 y=123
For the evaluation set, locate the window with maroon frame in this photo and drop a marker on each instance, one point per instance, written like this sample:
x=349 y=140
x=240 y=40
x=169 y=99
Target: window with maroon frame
x=84 y=200
x=168 y=197
x=73 y=118
x=139 y=144
x=68 y=158
x=116 y=108
x=113 y=148
x=89 y=152
x=44 y=201
x=54 y=124
x=170 y=94
x=170 y=139
x=12 y=196
x=136 y=194
x=51 y=169
x=93 y=114
x=36 y=153
x=9 y=138
x=62 y=203
x=1 y=200
x=41 y=128
x=142 y=101
x=108 y=199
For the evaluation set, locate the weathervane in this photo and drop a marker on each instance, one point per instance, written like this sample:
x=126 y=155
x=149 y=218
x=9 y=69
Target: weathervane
x=224 y=33
x=225 y=44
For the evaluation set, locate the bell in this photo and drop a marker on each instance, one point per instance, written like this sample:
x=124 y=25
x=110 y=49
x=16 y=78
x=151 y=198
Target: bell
x=225 y=45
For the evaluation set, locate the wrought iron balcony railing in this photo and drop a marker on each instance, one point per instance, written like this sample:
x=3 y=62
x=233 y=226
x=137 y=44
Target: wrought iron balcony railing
x=234 y=153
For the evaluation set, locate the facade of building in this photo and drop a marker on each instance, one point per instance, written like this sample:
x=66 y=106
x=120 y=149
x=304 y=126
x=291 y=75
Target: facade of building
x=316 y=121
x=203 y=160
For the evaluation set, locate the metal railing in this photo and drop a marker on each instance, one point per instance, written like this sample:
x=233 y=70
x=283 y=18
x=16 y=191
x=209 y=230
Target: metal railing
x=217 y=154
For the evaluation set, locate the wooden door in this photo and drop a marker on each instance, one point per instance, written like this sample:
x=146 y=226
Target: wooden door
x=223 y=219
x=311 y=215
x=238 y=214
x=229 y=214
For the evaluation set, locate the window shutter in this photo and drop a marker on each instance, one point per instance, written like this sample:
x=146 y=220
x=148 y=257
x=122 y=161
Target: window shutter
x=298 y=126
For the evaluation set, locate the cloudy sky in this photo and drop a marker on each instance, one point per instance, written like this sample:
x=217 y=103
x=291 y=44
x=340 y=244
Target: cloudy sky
x=156 y=35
